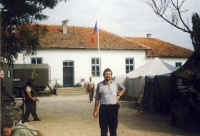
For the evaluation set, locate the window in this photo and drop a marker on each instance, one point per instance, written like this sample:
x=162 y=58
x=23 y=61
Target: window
x=129 y=64
x=68 y=64
x=178 y=64
x=96 y=65
x=36 y=60
x=9 y=73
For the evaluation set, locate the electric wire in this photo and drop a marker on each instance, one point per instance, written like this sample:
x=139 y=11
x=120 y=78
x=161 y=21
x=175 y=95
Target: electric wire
x=96 y=12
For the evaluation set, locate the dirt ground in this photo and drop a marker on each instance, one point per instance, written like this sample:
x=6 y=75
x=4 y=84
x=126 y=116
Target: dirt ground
x=73 y=116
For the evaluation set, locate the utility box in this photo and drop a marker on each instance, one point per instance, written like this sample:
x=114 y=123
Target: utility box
x=15 y=78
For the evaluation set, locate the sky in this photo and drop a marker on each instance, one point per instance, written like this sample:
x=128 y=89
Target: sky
x=131 y=18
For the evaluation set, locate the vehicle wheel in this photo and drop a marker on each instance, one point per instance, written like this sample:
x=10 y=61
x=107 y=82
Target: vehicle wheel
x=21 y=93
x=15 y=92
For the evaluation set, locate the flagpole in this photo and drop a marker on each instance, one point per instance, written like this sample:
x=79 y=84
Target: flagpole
x=99 y=51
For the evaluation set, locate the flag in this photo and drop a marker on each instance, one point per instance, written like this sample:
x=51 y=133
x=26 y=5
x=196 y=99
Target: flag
x=94 y=33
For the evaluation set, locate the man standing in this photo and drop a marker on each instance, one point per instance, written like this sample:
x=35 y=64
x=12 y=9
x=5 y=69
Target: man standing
x=30 y=101
x=107 y=95
x=91 y=87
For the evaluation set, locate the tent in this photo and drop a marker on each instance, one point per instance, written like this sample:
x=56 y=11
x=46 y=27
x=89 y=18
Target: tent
x=157 y=94
x=152 y=68
x=134 y=80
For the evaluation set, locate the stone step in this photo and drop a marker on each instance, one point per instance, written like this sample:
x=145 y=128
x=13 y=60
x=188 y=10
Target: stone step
x=70 y=91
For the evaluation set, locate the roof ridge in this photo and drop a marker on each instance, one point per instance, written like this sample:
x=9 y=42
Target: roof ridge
x=172 y=44
x=123 y=37
x=163 y=42
x=51 y=24
x=145 y=46
x=110 y=33
x=80 y=26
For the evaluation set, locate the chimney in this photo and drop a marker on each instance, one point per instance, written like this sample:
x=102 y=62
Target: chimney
x=64 y=25
x=148 y=35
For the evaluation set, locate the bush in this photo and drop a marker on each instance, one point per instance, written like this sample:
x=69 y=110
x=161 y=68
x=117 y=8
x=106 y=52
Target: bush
x=59 y=86
x=78 y=85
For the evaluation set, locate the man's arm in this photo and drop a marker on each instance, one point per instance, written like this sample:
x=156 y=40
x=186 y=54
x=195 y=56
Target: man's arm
x=95 y=114
x=120 y=94
x=94 y=86
x=30 y=96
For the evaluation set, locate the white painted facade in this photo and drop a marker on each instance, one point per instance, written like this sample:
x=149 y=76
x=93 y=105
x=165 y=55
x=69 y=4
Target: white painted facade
x=172 y=61
x=113 y=59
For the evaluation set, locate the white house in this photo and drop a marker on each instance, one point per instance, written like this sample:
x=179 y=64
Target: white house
x=72 y=58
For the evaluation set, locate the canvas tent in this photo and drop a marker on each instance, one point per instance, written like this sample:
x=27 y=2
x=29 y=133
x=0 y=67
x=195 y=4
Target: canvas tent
x=134 y=81
x=157 y=94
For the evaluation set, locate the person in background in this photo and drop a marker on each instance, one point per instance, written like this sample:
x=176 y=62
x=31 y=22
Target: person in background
x=20 y=129
x=90 y=88
x=107 y=95
x=30 y=101
x=23 y=129
x=6 y=130
x=86 y=86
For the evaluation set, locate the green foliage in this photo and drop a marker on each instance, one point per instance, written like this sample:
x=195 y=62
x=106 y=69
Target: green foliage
x=59 y=86
x=19 y=27
x=34 y=74
x=20 y=33
x=195 y=36
x=78 y=85
x=10 y=109
x=11 y=112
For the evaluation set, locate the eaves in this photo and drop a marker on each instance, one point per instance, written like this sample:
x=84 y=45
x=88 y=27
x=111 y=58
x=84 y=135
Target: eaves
x=85 y=48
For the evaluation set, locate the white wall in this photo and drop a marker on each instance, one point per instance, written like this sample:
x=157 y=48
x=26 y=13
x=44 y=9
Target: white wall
x=171 y=61
x=113 y=59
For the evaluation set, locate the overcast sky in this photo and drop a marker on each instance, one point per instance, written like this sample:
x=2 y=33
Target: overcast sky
x=131 y=18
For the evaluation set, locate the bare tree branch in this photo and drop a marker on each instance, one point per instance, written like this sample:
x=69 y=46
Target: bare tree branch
x=160 y=8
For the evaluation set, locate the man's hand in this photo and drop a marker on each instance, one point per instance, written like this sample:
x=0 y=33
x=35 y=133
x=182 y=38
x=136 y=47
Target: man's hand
x=95 y=114
x=36 y=99
x=118 y=98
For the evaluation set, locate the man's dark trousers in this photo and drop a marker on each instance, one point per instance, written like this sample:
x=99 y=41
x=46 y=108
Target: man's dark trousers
x=30 y=108
x=108 y=118
x=91 y=94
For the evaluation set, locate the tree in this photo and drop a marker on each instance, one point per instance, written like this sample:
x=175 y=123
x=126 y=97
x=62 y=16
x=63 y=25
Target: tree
x=19 y=27
x=162 y=7
x=20 y=33
x=196 y=32
x=184 y=102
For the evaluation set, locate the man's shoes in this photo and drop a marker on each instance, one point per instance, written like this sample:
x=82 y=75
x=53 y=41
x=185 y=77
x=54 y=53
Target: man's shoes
x=25 y=120
x=37 y=119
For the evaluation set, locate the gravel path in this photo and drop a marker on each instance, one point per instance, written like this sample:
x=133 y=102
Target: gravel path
x=72 y=116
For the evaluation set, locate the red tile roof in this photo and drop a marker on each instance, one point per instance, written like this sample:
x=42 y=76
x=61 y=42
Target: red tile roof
x=161 y=48
x=79 y=38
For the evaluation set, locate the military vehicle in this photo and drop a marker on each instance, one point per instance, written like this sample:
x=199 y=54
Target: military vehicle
x=15 y=78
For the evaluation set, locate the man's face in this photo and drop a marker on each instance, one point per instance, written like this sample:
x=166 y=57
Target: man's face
x=7 y=131
x=107 y=75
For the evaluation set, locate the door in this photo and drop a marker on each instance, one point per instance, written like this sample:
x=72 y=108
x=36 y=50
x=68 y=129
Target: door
x=68 y=73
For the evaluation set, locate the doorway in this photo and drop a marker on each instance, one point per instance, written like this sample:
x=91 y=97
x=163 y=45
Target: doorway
x=68 y=73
